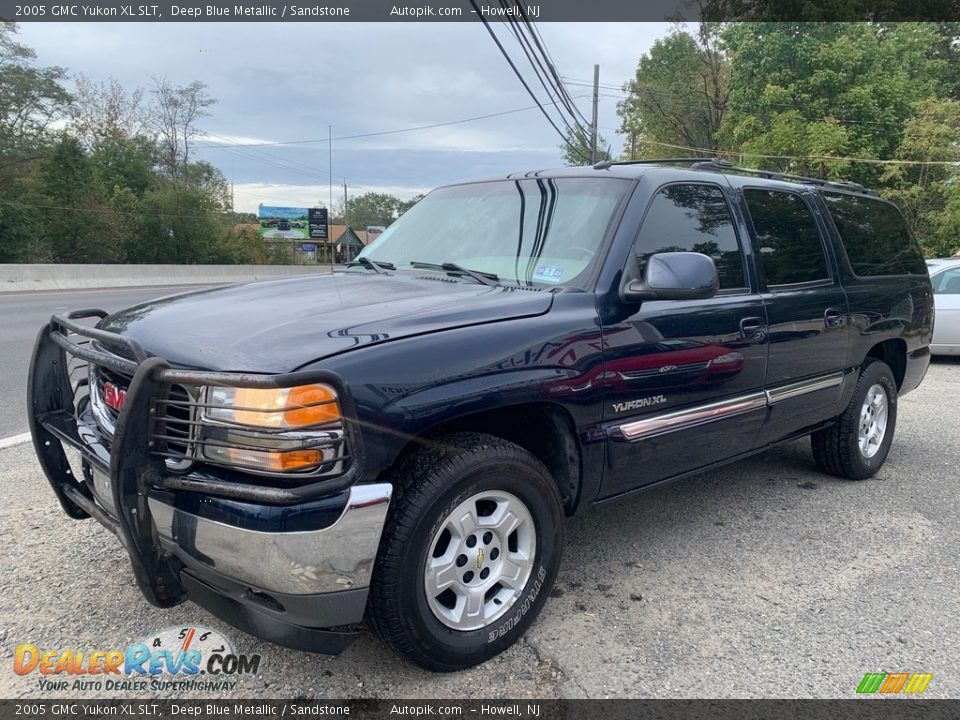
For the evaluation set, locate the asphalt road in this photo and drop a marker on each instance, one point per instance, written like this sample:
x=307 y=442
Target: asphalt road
x=762 y=579
x=21 y=317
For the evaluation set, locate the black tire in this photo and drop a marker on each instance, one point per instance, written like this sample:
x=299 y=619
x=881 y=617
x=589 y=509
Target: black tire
x=836 y=449
x=429 y=485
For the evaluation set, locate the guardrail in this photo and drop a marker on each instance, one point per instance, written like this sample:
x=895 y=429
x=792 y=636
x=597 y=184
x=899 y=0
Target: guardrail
x=16 y=277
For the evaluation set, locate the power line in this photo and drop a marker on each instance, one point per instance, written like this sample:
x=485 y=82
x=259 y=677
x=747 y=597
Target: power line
x=545 y=51
x=516 y=71
x=379 y=133
x=550 y=71
x=553 y=93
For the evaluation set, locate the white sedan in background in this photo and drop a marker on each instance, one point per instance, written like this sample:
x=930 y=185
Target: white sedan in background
x=945 y=276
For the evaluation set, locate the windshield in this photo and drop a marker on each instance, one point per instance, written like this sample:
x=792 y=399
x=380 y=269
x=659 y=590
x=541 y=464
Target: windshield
x=529 y=231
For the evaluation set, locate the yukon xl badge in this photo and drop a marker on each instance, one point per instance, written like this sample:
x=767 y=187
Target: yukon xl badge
x=639 y=403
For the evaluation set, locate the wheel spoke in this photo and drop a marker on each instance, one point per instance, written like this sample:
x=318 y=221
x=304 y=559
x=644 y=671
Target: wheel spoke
x=514 y=571
x=462 y=522
x=505 y=520
x=441 y=573
x=473 y=607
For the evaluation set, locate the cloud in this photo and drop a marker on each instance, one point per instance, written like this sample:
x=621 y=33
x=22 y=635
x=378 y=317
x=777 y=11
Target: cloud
x=277 y=82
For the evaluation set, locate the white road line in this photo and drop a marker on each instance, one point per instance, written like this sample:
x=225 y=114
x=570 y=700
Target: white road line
x=14 y=440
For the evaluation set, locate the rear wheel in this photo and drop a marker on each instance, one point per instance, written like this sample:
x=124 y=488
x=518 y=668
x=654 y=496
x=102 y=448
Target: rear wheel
x=469 y=553
x=857 y=445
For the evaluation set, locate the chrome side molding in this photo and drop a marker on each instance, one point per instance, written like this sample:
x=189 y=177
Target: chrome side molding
x=691 y=417
x=795 y=389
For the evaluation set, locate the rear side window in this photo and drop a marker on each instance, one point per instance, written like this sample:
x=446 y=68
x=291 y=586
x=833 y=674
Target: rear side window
x=875 y=236
x=693 y=218
x=947 y=282
x=790 y=248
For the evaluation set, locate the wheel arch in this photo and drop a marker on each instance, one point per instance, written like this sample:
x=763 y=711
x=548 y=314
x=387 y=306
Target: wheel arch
x=545 y=430
x=894 y=353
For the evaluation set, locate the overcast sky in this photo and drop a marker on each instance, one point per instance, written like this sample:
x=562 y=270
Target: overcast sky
x=279 y=82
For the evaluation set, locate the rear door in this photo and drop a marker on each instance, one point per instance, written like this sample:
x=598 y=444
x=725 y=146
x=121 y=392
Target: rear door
x=684 y=379
x=806 y=308
x=946 y=296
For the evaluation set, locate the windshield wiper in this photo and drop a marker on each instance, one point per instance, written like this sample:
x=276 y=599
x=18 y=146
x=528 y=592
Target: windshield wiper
x=485 y=278
x=375 y=265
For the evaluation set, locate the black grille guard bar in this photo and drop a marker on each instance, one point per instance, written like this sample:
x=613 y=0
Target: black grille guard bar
x=133 y=469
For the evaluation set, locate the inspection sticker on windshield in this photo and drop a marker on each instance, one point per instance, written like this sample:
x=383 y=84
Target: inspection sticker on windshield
x=549 y=273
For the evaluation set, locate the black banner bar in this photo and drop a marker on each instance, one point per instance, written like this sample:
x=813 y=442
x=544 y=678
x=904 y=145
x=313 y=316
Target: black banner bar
x=464 y=11
x=874 y=709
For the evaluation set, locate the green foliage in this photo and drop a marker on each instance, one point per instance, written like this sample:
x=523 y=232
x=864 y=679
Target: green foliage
x=677 y=97
x=117 y=185
x=31 y=97
x=876 y=103
x=576 y=149
x=372 y=209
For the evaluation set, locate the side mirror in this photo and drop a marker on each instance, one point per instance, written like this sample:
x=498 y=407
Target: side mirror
x=675 y=276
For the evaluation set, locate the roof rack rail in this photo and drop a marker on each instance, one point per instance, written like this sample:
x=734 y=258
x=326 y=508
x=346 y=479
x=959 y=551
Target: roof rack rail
x=720 y=165
x=604 y=164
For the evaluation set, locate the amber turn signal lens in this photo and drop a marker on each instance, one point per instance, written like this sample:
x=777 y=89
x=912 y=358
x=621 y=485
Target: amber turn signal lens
x=281 y=408
x=265 y=460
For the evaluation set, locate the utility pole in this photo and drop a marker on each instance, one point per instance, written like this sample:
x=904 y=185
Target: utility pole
x=593 y=126
x=330 y=205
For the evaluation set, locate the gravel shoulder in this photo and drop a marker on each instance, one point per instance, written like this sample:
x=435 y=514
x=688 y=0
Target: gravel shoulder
x=762 y=579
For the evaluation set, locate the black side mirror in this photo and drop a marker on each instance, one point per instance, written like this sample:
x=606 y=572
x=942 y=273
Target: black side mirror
x=675 y=276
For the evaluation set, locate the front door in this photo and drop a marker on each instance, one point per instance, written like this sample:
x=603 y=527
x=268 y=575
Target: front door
x=684 y=379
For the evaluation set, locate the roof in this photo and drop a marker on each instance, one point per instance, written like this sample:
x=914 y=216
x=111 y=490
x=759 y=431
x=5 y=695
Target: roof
x=681 y=168
x=348 y=238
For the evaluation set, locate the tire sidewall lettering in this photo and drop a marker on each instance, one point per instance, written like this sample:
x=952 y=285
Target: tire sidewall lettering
x=528 y=602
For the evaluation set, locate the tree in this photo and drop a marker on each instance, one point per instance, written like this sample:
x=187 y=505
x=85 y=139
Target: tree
x=404 y=205
x=577 y=148
x=31 y=97
x=678 y=97
x=808 y=89
x=173 y=116
x=105 y=111
x=372 y=208
x=71 y=218
x=180 y=224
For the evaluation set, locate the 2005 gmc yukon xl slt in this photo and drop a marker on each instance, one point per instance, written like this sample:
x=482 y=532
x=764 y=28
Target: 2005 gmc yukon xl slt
x=399 y=442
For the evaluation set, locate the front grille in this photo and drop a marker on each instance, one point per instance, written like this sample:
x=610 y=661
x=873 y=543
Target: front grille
x=178 y=421
x=177 y=418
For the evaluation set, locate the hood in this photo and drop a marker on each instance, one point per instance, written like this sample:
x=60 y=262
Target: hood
x=280 y=325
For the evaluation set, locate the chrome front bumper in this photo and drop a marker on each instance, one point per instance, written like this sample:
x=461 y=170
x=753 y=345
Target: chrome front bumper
x=331 y=559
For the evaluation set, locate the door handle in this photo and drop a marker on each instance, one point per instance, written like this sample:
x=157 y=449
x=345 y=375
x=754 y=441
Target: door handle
x=753 y=329
x=833 y=318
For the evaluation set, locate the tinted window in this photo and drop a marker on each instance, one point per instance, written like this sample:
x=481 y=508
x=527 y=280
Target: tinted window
x=693 y=218
x=790 y=247
x=875 y=236
x=947 y=282
x=529 y=231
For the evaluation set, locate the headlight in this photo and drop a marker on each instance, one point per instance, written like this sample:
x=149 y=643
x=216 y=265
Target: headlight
x=275 y=408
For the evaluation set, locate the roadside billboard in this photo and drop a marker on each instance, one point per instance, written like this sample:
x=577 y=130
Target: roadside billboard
x=277 y=223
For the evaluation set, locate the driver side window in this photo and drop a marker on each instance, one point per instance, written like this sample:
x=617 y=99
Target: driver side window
x=693 y=218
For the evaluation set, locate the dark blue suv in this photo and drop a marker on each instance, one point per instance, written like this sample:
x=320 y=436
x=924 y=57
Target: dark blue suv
x=398 y=442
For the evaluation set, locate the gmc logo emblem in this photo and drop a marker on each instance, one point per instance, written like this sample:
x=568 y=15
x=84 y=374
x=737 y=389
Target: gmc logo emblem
x=113 y=396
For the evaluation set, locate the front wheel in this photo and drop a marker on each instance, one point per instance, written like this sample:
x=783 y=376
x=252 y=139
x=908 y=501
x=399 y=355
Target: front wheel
x=856 y=446
x=470 y=551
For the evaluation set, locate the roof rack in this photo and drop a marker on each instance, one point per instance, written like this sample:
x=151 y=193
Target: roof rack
x=720 y=165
